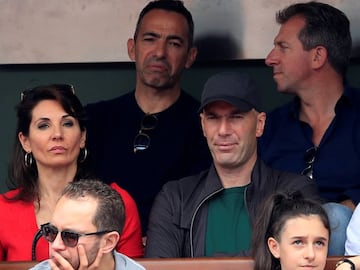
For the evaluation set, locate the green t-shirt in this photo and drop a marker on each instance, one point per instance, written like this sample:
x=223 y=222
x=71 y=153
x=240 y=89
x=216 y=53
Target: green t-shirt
x=228 y=226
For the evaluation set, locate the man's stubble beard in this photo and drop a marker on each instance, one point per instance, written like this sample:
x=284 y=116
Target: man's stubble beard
x=159 y=82
x=90 y=254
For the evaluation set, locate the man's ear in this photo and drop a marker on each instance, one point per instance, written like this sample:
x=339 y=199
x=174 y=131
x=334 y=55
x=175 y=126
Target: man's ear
x=131 y=48
x=260 y=124
x=319 y=57
x=110 y=241
x=274 y=247
x=202 y=119
x=192 y=53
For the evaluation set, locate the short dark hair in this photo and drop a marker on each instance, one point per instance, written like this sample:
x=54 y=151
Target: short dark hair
x=274 y=213
x=169 y=5
x=110 y=211
x=325 y=26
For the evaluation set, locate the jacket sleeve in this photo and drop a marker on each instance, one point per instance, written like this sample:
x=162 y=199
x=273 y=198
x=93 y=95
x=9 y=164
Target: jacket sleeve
x=164 y=235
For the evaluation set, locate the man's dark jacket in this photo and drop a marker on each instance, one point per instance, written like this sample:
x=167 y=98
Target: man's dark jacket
x=177 y=223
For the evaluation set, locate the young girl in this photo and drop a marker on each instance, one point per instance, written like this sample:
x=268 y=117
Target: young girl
x=292 y=232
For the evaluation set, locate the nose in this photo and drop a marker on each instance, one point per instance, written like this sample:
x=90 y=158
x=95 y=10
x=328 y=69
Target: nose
x=57 y=132
x=271 y=58
x=225 y=126
x=160 y=50
x=58 y=243
x=309 y=252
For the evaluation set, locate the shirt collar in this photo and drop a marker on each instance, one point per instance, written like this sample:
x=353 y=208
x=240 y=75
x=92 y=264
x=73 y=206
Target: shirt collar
x=347 y=98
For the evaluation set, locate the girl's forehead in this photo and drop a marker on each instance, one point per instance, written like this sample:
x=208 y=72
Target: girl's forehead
x=305 y=225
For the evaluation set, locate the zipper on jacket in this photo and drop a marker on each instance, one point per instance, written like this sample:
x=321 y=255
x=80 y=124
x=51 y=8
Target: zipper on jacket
x=245 y=201
x=197 y=209
x=193 y=219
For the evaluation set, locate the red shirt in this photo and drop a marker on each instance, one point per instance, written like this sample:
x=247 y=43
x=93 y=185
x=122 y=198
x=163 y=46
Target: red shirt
x=18 y=228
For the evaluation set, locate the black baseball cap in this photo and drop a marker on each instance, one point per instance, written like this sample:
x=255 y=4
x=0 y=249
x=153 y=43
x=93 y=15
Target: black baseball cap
x=235 y=88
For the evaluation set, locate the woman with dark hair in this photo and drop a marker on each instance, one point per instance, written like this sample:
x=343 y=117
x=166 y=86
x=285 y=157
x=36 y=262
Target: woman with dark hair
x=292 y=232
x=49 y=152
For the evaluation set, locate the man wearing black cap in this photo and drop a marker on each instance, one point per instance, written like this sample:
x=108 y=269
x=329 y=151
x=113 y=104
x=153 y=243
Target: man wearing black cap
x=213 y=213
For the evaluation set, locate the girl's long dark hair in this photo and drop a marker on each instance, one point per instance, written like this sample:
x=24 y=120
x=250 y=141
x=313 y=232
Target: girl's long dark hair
x=276 y=210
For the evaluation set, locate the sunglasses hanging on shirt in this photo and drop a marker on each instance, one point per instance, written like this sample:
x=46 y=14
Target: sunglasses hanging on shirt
x=142 y=140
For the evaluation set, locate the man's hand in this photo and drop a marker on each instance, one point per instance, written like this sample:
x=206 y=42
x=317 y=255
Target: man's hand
x=84 y=264
x=58 y=262
x=349 y=203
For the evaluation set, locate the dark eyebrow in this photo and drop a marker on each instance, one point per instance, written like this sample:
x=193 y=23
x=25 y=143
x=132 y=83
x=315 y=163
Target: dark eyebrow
x=322 y=239
x=175 y=37
x=300 y=237
x=208 y=112
x=280 y=43
x=170 y=37
x=48 y=119
x=67 y=116
x=152 y=34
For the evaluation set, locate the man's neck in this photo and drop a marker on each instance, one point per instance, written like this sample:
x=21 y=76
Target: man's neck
x=317 y=106
x=236 y=177
x=319 y=95
x=152 y=100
